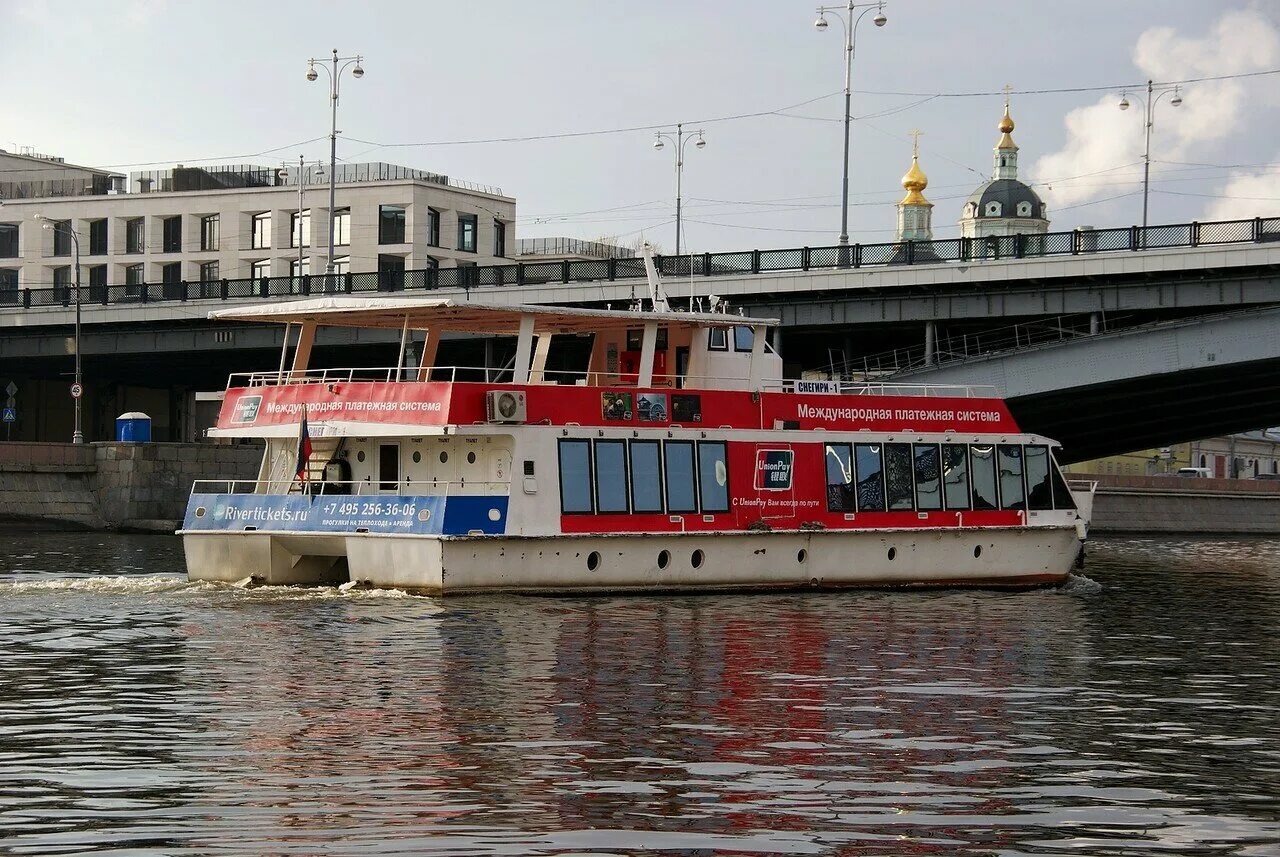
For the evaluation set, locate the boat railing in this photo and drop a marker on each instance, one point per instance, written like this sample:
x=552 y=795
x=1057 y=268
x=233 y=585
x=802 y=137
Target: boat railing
x=492 y=375
x=351 y=487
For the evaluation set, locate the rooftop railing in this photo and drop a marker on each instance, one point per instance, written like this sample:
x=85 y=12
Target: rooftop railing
x=740 y=263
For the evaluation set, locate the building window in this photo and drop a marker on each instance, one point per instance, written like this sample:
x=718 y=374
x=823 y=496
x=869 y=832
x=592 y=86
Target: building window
x=172 y=236
x=97 y=275
x=171 y=272
x=209 y=229
x=499 y=238
x=261 y=269
x=209 y=272
x=8 y=285
x=133 y=275
x=433 y=227
x=1024 y=209
x=97 y=237
x=575 y=477
x=713 y=477
x=391 y=224
x=611 y=476
x=61 y=237
x=993 y=209
x=261 y=231
x=390 y=272
x=303 y=270
x=62 y=282
x=342 y=264
x=135 y=235
x=8 y=240
x=467 y=225
x=646 y=476
x=300 y=229
x=341 y=227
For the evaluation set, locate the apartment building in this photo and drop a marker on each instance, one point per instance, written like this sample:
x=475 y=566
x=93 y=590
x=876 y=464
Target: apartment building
x=204 y=224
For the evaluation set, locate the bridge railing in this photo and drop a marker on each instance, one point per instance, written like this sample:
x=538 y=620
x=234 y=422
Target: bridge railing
x=737 y=263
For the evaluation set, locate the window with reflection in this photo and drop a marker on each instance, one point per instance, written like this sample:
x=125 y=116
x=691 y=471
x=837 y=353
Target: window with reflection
x=1013 y=493
x=1062 y=498
x=717 y=339
x=955 y=475
x=260 y=234
x=209 y=232
x=135 y=235
x=433 y=227
x=646 y=476
x=575 y=477
x=468 y=227
x=713 y=477
x=897 y=476
x=870 y=475
x=928 y=472
x=1039 y=487
x=839 y=466
x=300 y=229
x=8 y=240
x=391 y=220
x=341 y=227
x=982 y=465
x=681 y=481
x=611 y=476
x=743 y=338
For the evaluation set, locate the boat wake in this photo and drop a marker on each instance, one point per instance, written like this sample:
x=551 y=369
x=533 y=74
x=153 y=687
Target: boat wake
x=1078 y=584
x=174 y=584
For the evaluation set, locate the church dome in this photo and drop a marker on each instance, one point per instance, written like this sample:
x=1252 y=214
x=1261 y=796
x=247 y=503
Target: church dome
x=1004 y=198
x=913 y=183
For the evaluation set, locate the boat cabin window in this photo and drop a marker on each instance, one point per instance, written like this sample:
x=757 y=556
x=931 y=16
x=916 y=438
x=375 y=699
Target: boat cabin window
x=955 y=475
x=681 y=488
x=1037 y=465
x=1013 y=493
x=611 y=476
x=713 y=477
x=718 y=339
x=575 y=477
x=1062 y=498
x=897 y=476
x=635 y=340
x=646 y=476
x=743 y=338
x=983 y=463
x=870 y=474
x=839 y=465
x=928 y=477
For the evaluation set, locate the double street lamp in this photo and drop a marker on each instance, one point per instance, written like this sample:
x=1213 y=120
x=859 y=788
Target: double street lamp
x=77 y=434
x=283 y=175
x=679 y=142
x=850 y=41
x=335 y=79
x=1154 y=94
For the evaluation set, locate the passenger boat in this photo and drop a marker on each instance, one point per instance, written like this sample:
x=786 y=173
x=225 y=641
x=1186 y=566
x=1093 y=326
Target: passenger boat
x=670 y=456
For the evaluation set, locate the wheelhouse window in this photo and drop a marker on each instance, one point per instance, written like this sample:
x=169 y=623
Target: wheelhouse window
x=713 y=477
x=468 y=225
x=135 y=235
x=897 y=476
x=743 y=338
x=955 y=475
x=97 y=237
x=635 y=339
x=1062 y=497
x=838 y=458
x=1013 y=493
x=575 y=477
x=870 y=475
x=1039 y=487
x=682 y=495
x=260 y=235
x=718 y=339
x=171 y=234
x=982 y=463
x=8 y=240
x=928 y=473
x=611 y=476
x=646 y=476
x=391 y=219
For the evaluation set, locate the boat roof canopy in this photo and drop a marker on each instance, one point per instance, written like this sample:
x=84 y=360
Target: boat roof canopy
x=439 y=314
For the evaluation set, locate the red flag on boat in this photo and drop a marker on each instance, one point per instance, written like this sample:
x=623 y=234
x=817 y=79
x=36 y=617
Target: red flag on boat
x=304 y=447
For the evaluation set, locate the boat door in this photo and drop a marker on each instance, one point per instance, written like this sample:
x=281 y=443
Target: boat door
x=388 y=467
x=682 y=364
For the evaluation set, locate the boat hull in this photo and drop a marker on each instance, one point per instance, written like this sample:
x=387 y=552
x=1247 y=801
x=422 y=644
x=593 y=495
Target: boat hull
x=1012 y=557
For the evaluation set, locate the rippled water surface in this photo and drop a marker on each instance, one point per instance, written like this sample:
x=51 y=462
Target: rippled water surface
x=1135 y=711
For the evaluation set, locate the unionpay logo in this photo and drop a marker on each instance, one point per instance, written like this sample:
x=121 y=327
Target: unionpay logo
x=773 y=469
x=246 y=409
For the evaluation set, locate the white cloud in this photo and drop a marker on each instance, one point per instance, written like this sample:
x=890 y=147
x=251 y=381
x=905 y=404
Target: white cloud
x=1247 y=195
x=1101 y=138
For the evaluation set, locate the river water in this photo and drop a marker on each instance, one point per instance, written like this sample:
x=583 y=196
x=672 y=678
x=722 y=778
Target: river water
x=1133 y=711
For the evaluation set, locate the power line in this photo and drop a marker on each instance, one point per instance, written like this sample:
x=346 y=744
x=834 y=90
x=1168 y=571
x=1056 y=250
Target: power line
x=1071 y=89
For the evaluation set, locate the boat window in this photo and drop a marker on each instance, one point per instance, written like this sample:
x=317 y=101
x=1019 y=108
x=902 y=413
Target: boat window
x=928 y=477
x=742 y=338
x=713 y=477
x=718 y=339
x=646 y=476
x=575 y=477
x=1013 y=493
x=897 y=476
x=681 y=486
x=839 y=463
x=1062 y=497
x=635 y=339
x=982 y=461
x=955 y=475
x=611 y=476
x=870 y=476
x=1039 y=493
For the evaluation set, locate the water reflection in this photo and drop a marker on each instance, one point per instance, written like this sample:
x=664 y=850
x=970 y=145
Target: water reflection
x=142 y=714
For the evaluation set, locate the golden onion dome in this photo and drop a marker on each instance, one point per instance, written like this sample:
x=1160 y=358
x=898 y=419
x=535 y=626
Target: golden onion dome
x=1006 y=128
x=913 y=182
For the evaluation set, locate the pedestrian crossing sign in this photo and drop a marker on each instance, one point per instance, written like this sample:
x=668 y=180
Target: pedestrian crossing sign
x=9 y=415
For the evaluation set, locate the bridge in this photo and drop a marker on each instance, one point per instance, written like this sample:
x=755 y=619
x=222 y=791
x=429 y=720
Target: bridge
x=846 y=307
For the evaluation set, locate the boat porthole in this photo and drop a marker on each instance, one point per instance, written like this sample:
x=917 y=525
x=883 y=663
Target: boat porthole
x=802 y=555
x=199 y=511
x=697 y=558
x=977 y=551
x=471 y=458
x=360 y=455
x=593 y=560
x=496 y=515
x=444 y=457
x=417 y=457
x=892 y=553
x=664 y=558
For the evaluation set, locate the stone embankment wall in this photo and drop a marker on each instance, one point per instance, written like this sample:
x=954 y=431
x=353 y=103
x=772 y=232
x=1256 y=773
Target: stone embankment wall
x=1179 y=506
x=113 y=485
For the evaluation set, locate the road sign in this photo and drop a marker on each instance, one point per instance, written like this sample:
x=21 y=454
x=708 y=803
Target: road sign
x=11 y=390
x=9 y=415
x=76 y=391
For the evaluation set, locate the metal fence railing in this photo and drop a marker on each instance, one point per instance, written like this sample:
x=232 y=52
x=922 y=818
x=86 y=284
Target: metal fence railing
x=738 y=263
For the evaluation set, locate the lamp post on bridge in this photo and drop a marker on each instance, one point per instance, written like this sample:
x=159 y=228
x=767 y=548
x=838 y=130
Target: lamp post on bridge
x=679 y=142
x=77 y=434
x=335 y=79
x=1154 y=94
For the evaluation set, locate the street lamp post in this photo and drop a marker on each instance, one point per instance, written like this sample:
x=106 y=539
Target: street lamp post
x=335 y=78
x=77 y=434
x=1154 y=94
x=850 y=42
x=679 y=142
x=284 y=175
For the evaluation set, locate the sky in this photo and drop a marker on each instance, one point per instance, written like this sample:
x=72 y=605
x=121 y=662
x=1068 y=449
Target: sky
x=140 y=84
